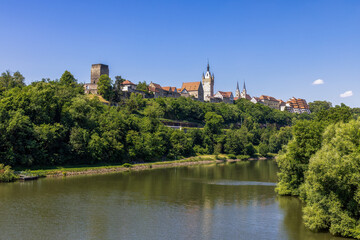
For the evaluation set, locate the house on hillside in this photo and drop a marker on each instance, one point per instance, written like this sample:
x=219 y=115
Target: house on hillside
x=297 y=105
x=183 y=92
x=226 y=97
x=195 y=89
x=171 y=92
x=157 y=90
x=128 y=86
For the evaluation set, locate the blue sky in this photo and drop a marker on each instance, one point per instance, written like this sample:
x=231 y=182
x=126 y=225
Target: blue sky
x=279 y=47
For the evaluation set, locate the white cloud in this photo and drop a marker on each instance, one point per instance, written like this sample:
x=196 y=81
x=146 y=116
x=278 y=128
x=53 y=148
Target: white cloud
x=318 y=82
x=346 y=94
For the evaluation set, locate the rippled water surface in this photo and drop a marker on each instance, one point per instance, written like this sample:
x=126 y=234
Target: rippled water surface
x=219 y=201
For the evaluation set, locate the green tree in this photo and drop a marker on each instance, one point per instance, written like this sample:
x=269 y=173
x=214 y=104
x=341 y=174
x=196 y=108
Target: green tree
x=68 y=79
x=142 y=86
x=8 y=81
x=318 y=106
x=332 y=187
x=293 y=162
x=117 y=90
x=333 y=115
x=104 y=86
x=213 y=123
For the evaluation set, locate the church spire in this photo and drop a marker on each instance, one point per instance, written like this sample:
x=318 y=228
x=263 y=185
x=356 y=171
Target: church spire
x=244 y=88
x=237 y=86
x=208 y=66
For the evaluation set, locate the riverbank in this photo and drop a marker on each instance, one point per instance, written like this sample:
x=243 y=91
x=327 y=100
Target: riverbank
x=89 y=170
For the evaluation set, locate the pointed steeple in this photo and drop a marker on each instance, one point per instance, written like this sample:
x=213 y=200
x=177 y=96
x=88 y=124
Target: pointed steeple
x=208 y=66
x=237 y=86
x=244 y=88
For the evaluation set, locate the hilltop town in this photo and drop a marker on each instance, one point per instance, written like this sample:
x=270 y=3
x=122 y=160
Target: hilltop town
x=202 y=91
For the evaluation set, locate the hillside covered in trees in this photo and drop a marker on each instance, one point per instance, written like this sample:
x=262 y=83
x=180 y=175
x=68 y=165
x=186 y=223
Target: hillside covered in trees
x=54 y=123
x=51 y=123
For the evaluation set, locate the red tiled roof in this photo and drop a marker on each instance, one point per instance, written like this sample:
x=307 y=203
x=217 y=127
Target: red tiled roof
x=191 y=86
x=264 y=97
x=166 y=88
x=298 y=103
x=225 y=94
x=127 y=82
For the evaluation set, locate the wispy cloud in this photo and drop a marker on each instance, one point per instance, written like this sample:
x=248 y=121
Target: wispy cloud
x=346 y=94
x=318 y=82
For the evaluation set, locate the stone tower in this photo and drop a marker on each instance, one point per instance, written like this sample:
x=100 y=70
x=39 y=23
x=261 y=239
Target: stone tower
x=237 y=92
x=97 y=70
x=208 y=84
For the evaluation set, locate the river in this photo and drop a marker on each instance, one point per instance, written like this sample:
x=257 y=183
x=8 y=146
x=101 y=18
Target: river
x=217 y=201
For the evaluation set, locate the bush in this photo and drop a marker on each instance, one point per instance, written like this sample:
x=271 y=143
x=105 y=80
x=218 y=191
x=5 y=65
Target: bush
x=231 y=156
x=217 y=157
x=6 y=174
x=127 y=165
x=242 y=157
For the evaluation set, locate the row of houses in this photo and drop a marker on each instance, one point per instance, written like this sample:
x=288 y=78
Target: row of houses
x=201 y=91
x=294 y=105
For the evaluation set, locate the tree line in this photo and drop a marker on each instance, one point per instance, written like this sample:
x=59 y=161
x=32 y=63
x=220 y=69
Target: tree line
x=52 y=122
x=321 y=165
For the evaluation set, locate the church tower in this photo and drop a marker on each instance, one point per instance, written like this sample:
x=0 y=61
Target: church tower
x=208 y=84
x=243 y=92
x=237 y=92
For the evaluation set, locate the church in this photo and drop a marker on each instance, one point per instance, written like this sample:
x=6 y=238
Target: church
x=242 y=94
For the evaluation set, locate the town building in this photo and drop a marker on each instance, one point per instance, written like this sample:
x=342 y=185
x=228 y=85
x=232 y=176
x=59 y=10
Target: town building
x=96 y=71
x=195 y=90
x=270 y=101
x=282 y=105
x=128 y=86
x=255 y=100
x=208 y=84
x=171 y=92
x=183 y=92
x=226 y=97
x=298 y=105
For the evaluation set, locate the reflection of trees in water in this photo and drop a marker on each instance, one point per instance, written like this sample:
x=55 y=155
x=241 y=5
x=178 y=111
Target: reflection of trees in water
x=194 y=185
x=293 y=224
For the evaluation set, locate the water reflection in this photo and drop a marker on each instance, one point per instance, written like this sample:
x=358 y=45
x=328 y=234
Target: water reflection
x=220 y=201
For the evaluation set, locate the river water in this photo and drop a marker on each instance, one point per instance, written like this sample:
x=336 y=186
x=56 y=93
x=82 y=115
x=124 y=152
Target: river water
x=218 y=201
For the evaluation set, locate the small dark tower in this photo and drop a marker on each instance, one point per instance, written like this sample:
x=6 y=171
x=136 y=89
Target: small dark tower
x=97 y=70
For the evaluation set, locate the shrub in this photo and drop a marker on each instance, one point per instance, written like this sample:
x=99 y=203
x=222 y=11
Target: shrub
x=242 y=157
x=6 y=174
x=127 y=165
x=217 y=157
x=231 y=156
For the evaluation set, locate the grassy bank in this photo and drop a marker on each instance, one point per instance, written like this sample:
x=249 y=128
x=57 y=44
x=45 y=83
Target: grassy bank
x=71 y=170
x=101 y=169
